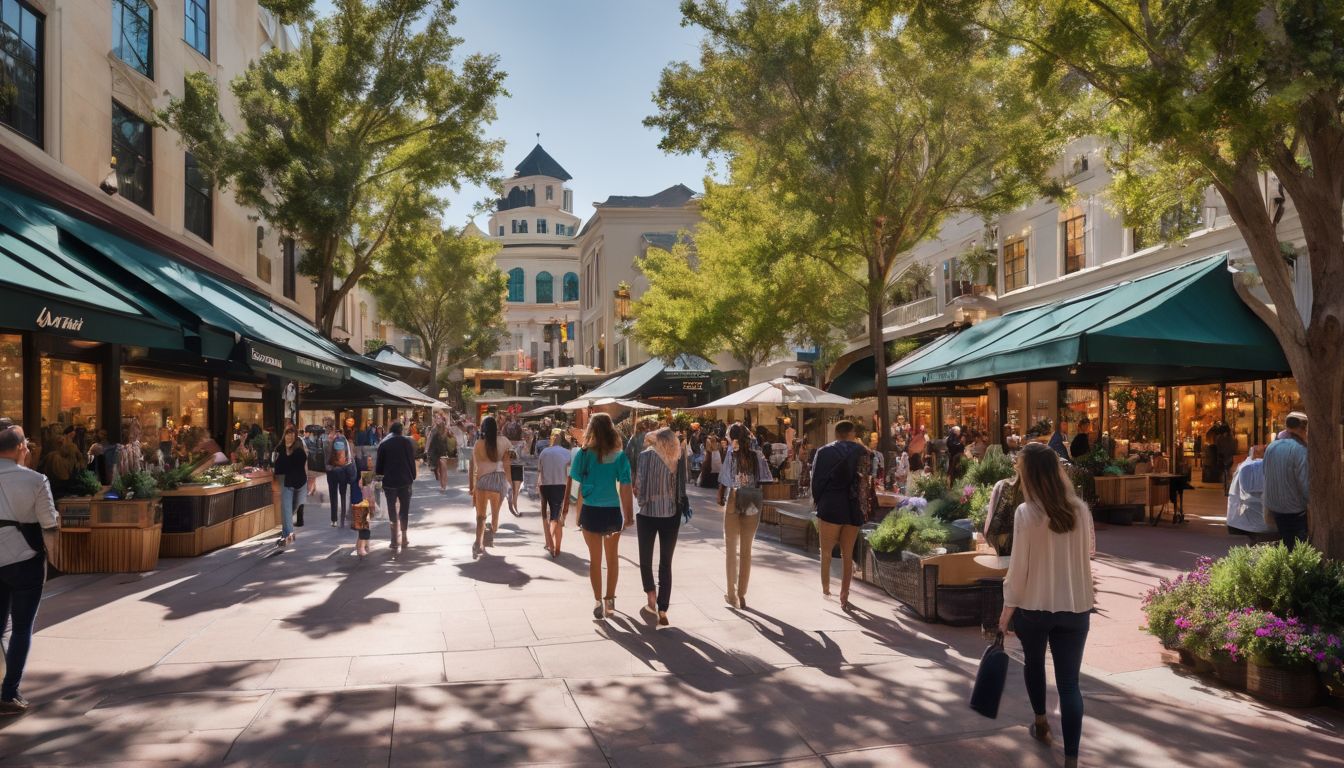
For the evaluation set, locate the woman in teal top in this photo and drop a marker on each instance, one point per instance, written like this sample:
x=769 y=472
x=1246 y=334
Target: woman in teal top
x=602 y=471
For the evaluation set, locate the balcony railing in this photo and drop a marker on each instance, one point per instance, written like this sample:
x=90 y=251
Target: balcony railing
x=911 y=312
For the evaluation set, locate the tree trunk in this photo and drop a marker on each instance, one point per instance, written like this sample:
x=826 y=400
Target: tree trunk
x=876 y=284
x=1322 y=401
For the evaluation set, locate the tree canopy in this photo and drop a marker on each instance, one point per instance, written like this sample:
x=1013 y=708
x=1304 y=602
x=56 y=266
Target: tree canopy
x=746 y=284
x=1245 y=97
x=349 y=137
x=879 y=129
x=444 y=287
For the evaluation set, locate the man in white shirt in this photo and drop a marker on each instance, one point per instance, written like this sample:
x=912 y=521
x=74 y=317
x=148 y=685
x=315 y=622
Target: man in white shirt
x=552 y=472
x=27 y=512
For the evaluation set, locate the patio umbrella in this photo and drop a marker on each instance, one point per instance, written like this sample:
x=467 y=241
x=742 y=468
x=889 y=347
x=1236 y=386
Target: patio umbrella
x=574 y=372
x=779 y=392
x=586 y=402
x=541 y=411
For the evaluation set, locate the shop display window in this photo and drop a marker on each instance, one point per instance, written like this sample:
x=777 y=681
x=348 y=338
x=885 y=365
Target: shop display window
x=11 y=377
x=1132 y=419
x=1195 y=411
x=1076 y=403
x=969 y=413
x=1281 y=398
x=1242 y=402
x=70 y=398
x=169 y=415
x=921 y=414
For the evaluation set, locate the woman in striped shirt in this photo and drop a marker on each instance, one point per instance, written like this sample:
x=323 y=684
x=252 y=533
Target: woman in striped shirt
x=660 y=486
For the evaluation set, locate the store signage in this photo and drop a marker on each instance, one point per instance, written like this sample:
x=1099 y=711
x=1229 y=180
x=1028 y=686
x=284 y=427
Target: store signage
x=951 y=374
x=318 y=366
x=693 y=386
x=59 y=322
x=261 y=357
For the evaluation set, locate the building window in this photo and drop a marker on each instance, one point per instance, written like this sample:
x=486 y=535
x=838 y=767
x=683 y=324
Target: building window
x=289 y=267
x=520 y=226
x=541 y=226
x=953 y=284
x=199 y=219
x=569 y=200
x=197 y=30
x=1014 y=264
x=1075 y=247
x=571 y=287
x=501 y=230
x=550 y=192
x=516 y=284
x=545 y=288
x=132 y=149
x=11 y=376
x=21 y=69
x=133 y=34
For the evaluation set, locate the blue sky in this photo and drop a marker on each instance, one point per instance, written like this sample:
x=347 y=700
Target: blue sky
x=582 y=73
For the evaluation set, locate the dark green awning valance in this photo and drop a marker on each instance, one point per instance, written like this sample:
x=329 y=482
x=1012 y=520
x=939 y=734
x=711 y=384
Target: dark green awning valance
x=1173 y=324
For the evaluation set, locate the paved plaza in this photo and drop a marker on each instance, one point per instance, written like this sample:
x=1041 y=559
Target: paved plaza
x=251 y=657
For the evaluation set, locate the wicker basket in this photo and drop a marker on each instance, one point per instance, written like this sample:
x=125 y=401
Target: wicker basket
x=1232 y=673
x=1284 y=686
x=909 y=581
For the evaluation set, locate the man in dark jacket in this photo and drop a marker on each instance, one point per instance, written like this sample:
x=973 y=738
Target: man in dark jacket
x=396 y=465
x=836 y=490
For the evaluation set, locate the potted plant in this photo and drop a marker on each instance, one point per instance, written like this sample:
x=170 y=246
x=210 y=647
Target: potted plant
x=1283 y=655
x=75 y=498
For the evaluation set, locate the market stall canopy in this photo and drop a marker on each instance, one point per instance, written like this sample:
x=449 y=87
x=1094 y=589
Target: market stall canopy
x=632 y=383
x=858 y=379
x=598 y=402
x=54 y=287
x=572 y=373
x=778 y=392
x=543 y=411
x=389 y=360
x=1184 y=323
x=273 y=341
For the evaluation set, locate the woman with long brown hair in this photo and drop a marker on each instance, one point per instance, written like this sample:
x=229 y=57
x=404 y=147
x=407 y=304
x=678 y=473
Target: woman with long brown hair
x=1047 y=595
x=489 y=468
x=744 y=469
x=606 y=505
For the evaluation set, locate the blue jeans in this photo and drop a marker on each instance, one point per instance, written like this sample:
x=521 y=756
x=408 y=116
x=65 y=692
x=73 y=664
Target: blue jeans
x=1066 y=634
x=1292 y=529
x=20 y=593
x=290 y=500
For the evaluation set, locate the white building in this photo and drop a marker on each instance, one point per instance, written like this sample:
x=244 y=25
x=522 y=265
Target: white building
x=612 y=243
x=535 y=223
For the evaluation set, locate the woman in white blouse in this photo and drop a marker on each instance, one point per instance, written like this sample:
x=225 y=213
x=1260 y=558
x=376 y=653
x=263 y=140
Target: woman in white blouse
x=1047 y=595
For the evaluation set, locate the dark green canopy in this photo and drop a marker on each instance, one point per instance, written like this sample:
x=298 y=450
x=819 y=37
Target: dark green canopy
x=51 y=287
x=1180 y=324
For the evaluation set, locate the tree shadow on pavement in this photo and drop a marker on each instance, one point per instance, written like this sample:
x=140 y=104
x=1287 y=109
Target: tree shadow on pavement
x=351 y=603
x=805 y=647
x=495 y=569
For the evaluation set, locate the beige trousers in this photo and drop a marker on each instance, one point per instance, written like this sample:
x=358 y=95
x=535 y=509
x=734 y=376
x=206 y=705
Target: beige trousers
x=739 y=531
x=829 y=534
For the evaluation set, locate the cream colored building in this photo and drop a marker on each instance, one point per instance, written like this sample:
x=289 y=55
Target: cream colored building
x=534 y=223
x=610 y=245
x=103 y=68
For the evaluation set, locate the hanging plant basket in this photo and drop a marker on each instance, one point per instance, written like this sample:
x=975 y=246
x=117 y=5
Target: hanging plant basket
x=1283 y=686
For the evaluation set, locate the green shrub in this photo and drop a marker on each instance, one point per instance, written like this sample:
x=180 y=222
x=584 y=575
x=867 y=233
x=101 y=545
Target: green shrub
x=83 y=483
x=1168 y=605
x=136 y=485
x=913 y=533
x=1271 y=578
x=980 y=506
x=929 y=487
x=995 y=466
x=170 y=480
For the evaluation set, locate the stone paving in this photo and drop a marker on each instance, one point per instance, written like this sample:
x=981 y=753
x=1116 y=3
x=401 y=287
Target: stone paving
x=251 y=657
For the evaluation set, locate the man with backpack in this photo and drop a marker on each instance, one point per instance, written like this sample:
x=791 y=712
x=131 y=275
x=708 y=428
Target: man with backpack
x=315 y=447
x=841 y=479
x=339 y=470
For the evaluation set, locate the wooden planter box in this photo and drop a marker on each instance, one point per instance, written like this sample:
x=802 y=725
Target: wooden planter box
x=781 y=491
x=909 y=581
x=107 y=549
x=1123 y=490
x=1286 y=687
x=136 y=513
x=200 y=519
x=796 y=530
x=75 y=511
x=769 y=514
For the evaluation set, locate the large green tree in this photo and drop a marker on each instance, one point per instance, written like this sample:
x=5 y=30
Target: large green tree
x=878 y=130
x=1243 y=96
x=349 y=137
x=747 y=284
x=444 y=287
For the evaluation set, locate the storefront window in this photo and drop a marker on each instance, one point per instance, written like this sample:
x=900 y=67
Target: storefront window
x=70 y=398
x=969 y=413
x=1241 y=402
x=11 y=377
x=1076 y=404
x=1132 y=419
x=921 y=413
x=1281 y=398
x=171 y=414
x=1195 y=411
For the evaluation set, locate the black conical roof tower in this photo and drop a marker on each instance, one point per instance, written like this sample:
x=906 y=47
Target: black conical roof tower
x=538 y=163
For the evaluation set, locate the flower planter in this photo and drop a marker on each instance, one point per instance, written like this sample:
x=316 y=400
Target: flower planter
x=1194 y=663
x=114 y=513
x=1283 y=686
x=1232 y=673
x=75 y=511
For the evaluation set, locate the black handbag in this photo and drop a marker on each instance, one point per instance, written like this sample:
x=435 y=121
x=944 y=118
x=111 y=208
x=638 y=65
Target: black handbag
x=990 y=679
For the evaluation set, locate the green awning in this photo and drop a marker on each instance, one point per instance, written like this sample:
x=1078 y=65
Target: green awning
x=856 y=381
x=632 y=383
x=1180 y=324
x=276 y=342
x=368 y=388
x=50 y=287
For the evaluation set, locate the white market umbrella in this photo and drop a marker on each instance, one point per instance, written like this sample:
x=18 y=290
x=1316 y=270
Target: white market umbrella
x=575 y=372
x=778 y=392
x=587 y=402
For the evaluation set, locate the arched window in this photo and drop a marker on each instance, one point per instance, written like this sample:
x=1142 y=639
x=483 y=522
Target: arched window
x=545 y=288
x=516 y=284
x=571 y=287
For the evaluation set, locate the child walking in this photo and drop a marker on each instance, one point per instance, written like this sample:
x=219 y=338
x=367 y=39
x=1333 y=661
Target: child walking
x=362 y=511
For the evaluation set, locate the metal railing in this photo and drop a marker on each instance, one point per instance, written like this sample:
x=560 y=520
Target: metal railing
x=910 y=312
